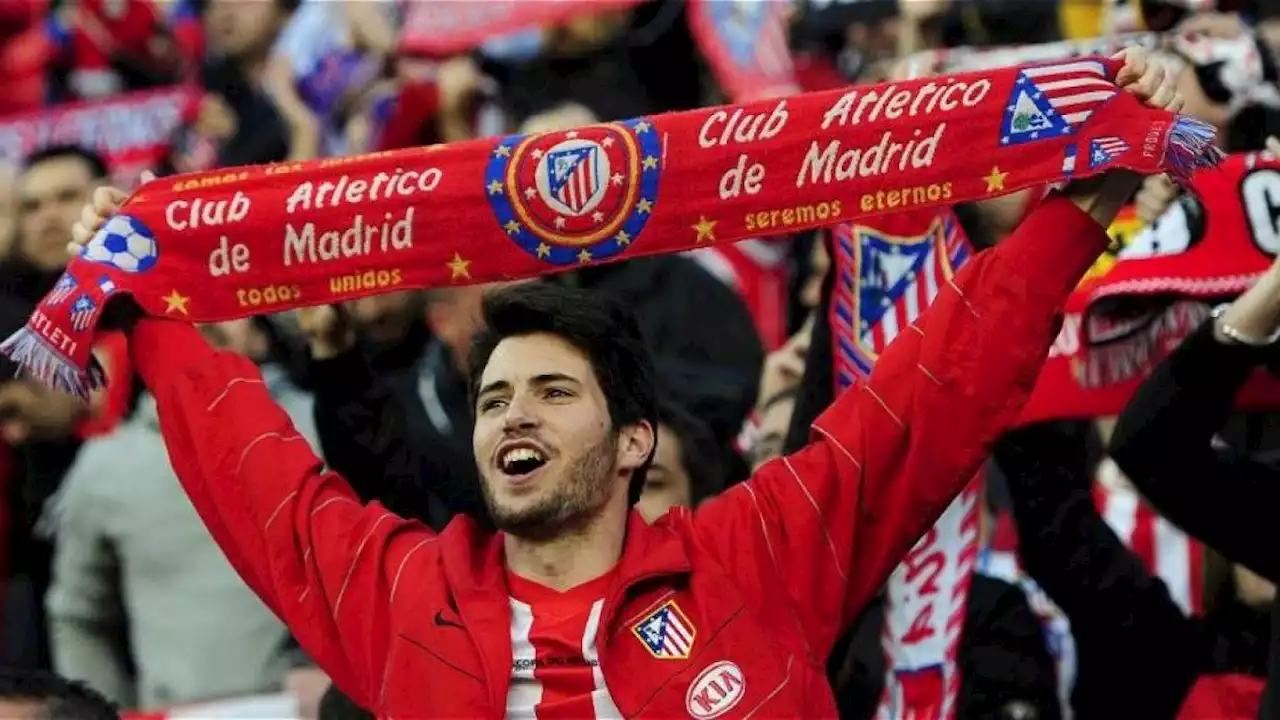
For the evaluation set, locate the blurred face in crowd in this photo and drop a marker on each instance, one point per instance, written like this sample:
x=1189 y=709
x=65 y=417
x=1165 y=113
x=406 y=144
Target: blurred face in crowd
x=1252 y=589
x=22 y=708
x=30 y=411
x=548 y=454
x=51 y=193
x=454 y=316
x=562 y=117
x=239 y=336
x=771 y=433
x=241 y=29
x=811 y=290
x=667 y=482
x=8 y=206
x=386 y=319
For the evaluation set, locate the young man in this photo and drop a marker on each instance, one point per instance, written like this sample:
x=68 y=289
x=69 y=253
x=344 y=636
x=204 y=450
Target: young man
x=577 y=607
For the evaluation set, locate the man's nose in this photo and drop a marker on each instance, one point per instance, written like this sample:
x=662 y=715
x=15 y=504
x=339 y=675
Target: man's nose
x=519 y=415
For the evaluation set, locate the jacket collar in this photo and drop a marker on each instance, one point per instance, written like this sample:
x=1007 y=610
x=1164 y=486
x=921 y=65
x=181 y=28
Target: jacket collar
x=475 y=565
x=475 y=569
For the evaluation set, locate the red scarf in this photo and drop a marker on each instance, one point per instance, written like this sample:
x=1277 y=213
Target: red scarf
x=1209 y=246
x=242 y=241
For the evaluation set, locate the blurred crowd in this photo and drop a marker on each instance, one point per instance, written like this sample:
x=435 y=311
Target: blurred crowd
x=107 y=576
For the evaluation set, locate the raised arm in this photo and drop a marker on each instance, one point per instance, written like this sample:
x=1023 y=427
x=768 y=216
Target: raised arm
x=298 y=536
x=1163 y=439
x=829 y=523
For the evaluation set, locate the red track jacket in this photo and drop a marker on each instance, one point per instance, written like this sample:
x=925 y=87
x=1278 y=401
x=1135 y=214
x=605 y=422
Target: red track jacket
x=415 y=625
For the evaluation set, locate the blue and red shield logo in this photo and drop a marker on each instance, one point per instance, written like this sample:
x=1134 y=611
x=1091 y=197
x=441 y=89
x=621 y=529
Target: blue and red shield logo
x=576 y=196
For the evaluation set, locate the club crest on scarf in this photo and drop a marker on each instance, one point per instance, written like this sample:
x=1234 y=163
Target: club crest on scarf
x=125 y=244
x=883 y=284
x=82 y=313
x=1104 y=150
x=1053 y=100
x=666 y=632
x=576 y=196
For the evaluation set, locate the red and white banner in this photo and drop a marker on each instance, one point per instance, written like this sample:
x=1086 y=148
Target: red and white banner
x=131 y=131
x=441 y=29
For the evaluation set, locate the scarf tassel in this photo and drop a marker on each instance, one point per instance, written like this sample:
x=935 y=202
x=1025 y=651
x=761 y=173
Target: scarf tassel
x=1190 y=147
x=37 y=359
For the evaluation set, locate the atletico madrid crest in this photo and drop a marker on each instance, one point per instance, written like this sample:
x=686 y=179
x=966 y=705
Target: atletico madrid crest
x=576 y=196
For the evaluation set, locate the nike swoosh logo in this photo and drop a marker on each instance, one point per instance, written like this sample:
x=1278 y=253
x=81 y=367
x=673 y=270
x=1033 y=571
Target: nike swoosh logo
x=442 y=621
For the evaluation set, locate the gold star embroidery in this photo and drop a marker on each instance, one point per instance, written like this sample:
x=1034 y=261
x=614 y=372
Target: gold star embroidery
x=644 y=206
x=459 y=268
x=706 y=229
x=642 y=126
x=650 y=162
x=502 y=151
x=495 y=187
x=174 y=302
x=995 y=181
x=543 y=250
x=512 y=227
x=624 y=238
x=584 y=257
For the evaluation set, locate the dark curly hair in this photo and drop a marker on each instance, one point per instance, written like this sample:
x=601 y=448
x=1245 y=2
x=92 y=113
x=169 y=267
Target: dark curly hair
x=62 y=699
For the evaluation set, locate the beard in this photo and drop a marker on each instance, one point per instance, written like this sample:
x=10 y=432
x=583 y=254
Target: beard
x=569 y=505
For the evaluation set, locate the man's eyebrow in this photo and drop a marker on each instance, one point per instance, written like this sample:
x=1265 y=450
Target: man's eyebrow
x=546 y=378
x=494 y=386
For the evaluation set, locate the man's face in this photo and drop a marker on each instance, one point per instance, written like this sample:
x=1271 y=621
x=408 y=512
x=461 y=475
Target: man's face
x=51 y=195
x=667 y=482
x=239 y=29
x=548 y=455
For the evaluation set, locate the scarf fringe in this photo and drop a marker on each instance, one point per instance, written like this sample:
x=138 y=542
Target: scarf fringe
x=1190 y=147
x=38 y=359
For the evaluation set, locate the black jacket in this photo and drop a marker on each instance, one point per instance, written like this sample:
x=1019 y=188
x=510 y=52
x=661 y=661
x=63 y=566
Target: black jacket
x=1164 y=442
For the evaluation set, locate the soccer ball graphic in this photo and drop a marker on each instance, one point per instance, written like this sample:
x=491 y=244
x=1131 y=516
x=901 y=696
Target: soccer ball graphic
x=124 y=243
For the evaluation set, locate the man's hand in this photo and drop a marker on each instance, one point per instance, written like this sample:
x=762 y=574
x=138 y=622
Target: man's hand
x=106 y=201
x=1149 y=80
x=329 y=330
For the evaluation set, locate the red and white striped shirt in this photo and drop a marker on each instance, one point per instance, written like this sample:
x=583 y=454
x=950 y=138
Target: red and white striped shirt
x=555 y=669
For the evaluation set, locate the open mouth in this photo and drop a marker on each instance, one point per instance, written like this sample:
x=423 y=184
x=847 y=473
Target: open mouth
x=521 y=461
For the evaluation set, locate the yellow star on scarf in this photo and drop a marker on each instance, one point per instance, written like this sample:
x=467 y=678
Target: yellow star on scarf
x=995 y=181
x=495 y=187
x=459 y=268
x=584 y=257
x=173 y=302
x=706 y=229
x=543 y=250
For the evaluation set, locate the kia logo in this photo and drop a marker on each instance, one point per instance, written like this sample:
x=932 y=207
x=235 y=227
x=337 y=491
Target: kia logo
x=715 y=691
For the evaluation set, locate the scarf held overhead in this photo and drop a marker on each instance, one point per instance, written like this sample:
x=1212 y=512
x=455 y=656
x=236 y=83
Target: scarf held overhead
x=236 y=242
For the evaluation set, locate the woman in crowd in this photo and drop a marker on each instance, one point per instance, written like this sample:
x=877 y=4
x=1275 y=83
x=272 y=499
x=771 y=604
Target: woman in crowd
x=1166 y=440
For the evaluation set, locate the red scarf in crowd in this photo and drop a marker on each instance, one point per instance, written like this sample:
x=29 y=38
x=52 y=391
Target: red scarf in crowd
x=745 y=44
x=888 y=272
x=1207 y=247
x=242 y=241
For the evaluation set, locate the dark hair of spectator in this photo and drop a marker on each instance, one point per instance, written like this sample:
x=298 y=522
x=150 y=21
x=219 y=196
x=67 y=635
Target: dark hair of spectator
x=63 y=699
x=97 y=166
x=699 y=453
x=601 y=327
